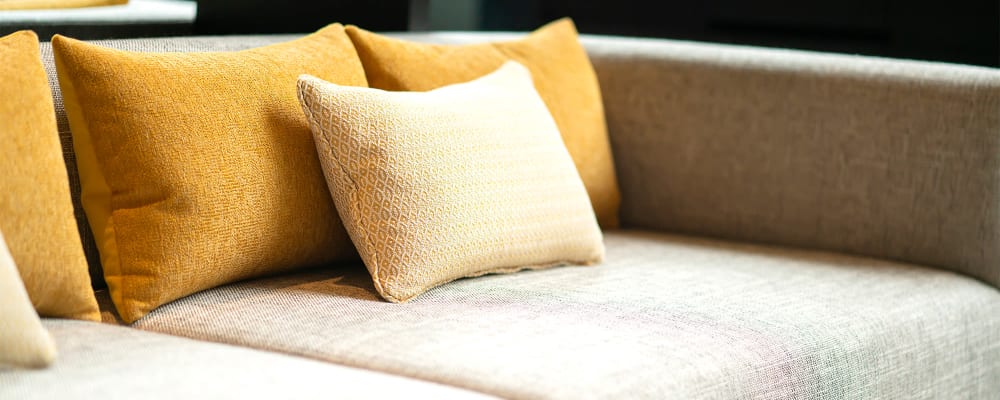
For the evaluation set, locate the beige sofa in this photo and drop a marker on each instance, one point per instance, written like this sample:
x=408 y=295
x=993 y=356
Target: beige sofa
x=797 y=225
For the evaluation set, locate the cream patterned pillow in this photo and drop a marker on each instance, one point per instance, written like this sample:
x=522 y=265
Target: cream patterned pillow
x=461 y=181
x=24 y=341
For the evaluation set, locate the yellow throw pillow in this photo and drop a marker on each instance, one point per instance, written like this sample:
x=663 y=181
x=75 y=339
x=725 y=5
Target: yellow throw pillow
x=461 y=181
x=24 y=342
x=563 y=77
x=43 y=4
x=36 y=211
x=198 y=169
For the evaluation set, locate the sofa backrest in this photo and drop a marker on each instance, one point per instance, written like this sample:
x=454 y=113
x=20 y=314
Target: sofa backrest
x=893 y=159
x=885 y=158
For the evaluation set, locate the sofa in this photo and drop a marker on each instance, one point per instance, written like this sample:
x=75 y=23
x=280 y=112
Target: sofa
x=794 y=225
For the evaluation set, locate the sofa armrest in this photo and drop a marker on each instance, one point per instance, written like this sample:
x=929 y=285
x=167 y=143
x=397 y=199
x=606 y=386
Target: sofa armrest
x=886 y=158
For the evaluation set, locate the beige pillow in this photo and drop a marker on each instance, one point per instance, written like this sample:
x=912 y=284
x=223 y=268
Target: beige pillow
x=460 y=181
x=23 y=340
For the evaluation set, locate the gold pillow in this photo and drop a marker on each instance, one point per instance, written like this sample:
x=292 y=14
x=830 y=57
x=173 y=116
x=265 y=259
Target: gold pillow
x=42 y=4
x=563 y=76
x=461 y=181
x=23 y=340
x=198 y=169
x=36 y=211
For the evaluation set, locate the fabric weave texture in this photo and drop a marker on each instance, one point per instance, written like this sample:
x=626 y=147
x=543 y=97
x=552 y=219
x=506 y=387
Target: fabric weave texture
x=36 y=213
x=460 y=181
x=563 y=76
x=887 y=158
x=101 y=361
x=664 y=317
x=159 y=45
x=198 y=169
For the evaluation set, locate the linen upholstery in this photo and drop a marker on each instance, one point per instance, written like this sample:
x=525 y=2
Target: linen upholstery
x=461 y=181
x=185 y=157
x=562 y=73
x=888 y=158
x=100 y=361
x=23 y=340
x=894 y=159
x=717 y=132
x=666 y=317
x=36 y=213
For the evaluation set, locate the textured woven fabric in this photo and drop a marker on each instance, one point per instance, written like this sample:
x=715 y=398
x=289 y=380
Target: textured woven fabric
x=38 y=4
x=817 y=148
x=460 y=181
x=563 y=75
x=198 y=169
x=664 y=317
x=36 y=213
x=99 y=361
x=185 y=44
x=887 y=158
x=23 y=340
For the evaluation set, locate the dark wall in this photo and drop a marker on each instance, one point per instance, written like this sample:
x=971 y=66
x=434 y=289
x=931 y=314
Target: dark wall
x=961 y=31
x=297 y=16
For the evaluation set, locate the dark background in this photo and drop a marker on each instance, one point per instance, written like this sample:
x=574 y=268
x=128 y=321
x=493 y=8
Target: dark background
x=960 y=31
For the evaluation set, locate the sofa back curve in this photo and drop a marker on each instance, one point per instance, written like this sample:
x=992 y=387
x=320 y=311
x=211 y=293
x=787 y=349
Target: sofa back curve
x=885 y=158
x=893 y=159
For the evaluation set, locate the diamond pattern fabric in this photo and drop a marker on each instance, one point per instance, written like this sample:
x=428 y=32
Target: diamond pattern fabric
x=461 y=181
x=562 y=74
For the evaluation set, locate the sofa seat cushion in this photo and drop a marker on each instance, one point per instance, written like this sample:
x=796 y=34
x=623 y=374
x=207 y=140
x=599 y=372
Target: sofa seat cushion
x=100 y=361
x=664 y=317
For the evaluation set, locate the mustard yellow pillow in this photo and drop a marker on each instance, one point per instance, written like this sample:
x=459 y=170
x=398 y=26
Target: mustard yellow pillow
x=41 y=4
x=563 y=77
x=198 y=169
x=24 y=341
x=461 y=181
x=36 y=211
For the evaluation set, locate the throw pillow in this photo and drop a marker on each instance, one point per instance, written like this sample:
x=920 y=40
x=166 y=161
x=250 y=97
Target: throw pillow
x=456 y=182
x=563 y=77
x=198 y=169
x=23 y=339
x=36 y=211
